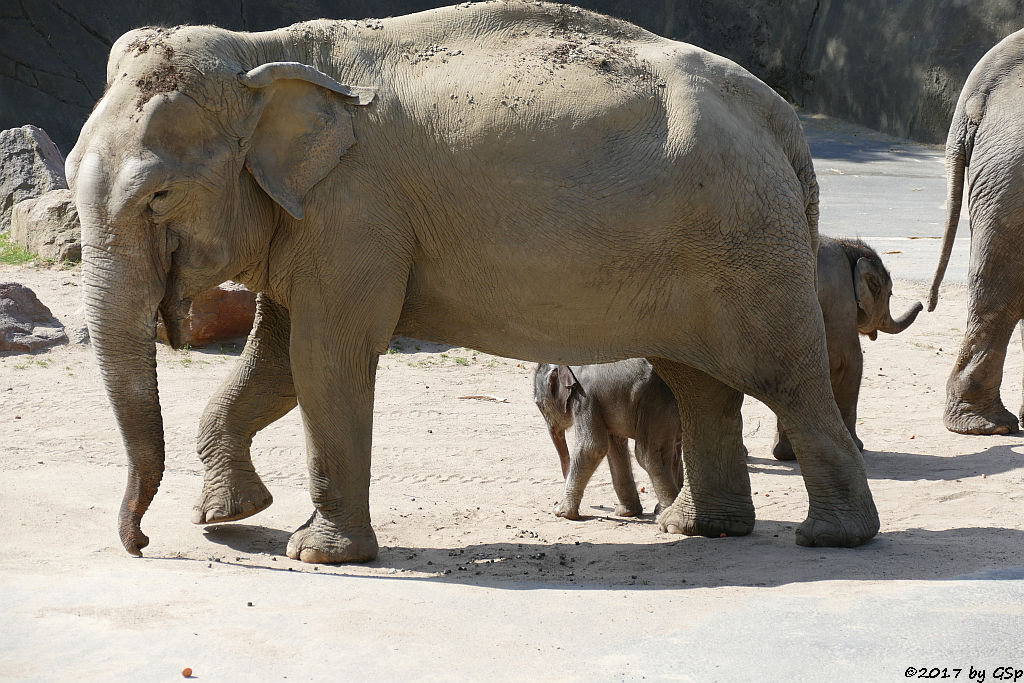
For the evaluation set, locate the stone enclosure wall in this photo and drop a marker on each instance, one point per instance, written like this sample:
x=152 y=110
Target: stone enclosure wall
x=893 y=65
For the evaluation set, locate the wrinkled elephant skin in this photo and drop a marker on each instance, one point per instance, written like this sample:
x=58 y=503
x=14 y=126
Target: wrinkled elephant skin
x=522 y=178
x=854 y=288
x=608 y=404
x=984 y=146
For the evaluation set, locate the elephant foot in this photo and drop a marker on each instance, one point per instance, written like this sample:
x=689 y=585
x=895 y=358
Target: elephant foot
x=735 y=518
x=961 y=418
x=839 y=528
x=783 y=450
x=630 y=510
x=564 y=509
x=320 y=541
x=242 y=496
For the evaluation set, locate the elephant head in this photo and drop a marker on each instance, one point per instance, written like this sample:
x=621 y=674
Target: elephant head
x=873 y=289
x=197 y=153
x=553 y=389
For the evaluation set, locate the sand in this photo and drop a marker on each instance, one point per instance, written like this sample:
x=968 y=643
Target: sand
x=475 y=575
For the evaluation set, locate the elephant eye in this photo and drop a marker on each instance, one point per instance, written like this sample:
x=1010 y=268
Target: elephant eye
x=160 y=202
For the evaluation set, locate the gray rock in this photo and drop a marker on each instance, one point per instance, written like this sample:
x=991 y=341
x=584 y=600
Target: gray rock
x=30 y=165
x=48 y=226
x=26 y=325
x=78 y=334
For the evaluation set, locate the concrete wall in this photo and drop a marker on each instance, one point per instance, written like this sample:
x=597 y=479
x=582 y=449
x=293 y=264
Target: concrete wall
x=894 y=65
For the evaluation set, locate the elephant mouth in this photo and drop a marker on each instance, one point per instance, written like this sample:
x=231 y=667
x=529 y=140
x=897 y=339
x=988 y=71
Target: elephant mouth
x=174 y=318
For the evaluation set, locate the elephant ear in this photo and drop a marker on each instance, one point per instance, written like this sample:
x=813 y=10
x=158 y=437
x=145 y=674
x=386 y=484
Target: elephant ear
x=867 y=282
x=302 y=132
x=563 y=383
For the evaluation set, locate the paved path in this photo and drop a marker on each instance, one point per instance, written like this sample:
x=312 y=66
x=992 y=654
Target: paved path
x=889 y=192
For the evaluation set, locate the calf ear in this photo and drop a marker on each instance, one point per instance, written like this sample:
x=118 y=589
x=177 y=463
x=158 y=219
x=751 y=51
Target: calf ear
x=867 y=284
x=566 y=385
x=302 y=131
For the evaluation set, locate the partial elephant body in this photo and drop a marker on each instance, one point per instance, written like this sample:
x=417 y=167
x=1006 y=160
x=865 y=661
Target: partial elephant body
x=608 y=404
x=854 y=288
x=527 y=179
x=986 y=146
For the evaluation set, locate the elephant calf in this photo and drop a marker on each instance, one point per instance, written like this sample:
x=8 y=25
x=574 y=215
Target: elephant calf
x=608 y=404
x=854 y=288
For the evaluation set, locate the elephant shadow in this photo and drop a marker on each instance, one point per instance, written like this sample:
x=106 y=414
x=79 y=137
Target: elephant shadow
x=916 y=467
x=897 y=466
x=766 y=558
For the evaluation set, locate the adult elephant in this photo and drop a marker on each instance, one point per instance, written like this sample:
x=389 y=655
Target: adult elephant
x=986 y=144
x=527 y=179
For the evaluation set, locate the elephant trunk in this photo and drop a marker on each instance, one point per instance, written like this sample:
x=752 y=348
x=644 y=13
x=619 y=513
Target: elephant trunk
x=890 y=326
x=558 y=438
x=121 y=293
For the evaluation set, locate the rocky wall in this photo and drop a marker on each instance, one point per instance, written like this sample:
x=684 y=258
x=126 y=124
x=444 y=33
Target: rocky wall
x=894 y=65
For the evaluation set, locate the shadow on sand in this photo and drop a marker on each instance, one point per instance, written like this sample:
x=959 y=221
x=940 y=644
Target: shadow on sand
x=767 y=557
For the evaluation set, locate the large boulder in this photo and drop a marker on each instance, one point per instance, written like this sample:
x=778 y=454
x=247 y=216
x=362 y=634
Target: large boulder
x=48 y=226
x=30 y=166
x=222 y=314
x=26 y=325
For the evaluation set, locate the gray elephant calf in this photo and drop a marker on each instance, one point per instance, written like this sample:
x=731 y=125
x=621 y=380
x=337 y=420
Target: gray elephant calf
x=854 y=288
x=609 y=403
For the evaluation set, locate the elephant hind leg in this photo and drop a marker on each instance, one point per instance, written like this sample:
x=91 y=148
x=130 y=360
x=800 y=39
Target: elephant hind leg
x=789 y=373
x=973 y=403
x=715 y=498
x=791 y=377
x=622 y=478
x=659 y=458
x=1022 y=347
x=258 y=392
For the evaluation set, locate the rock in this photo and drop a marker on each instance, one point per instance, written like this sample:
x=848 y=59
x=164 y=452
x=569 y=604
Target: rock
x=30 y=166
x=78 y=334
x=896 y=66
x=222 y=314
x=48 y=226
x=25 y=323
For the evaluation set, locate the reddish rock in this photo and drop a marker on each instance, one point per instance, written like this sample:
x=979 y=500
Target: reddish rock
x=222 y=314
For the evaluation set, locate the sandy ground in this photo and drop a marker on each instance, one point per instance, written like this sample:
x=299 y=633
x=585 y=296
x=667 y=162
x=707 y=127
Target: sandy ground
x=476 y=577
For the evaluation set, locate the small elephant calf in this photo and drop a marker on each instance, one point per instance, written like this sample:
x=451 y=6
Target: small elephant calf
x=853 y=290
x=608 y=404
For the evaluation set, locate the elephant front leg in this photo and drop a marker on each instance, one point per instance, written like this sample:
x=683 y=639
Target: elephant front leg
x=335 y=394
x=258 y=392
x=622 y=478
x=715 y=497
x=592 y=442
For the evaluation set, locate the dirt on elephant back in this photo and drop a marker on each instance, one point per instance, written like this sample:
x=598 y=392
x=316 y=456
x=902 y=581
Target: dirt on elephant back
x=473 y=563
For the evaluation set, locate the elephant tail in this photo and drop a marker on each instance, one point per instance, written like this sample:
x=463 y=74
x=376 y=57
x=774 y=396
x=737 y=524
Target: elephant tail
x=809 y=181
x=957 y=149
